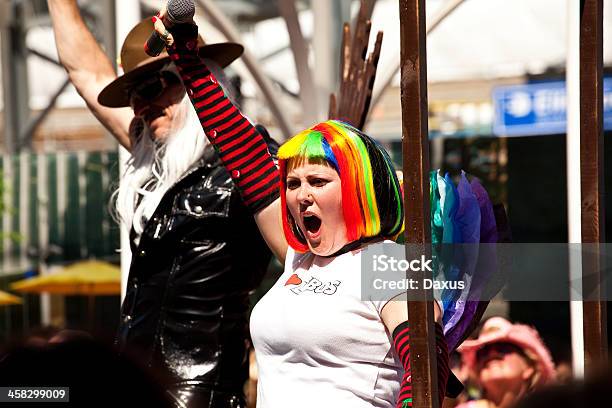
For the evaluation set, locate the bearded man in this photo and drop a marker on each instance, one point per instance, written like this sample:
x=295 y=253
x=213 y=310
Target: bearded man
x=196 y=251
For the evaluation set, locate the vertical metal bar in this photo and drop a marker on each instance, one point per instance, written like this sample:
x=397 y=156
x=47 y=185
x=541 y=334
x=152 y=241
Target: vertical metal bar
x=341 y=13
x=109 y=28
x=368 y=8
x=105 y=180
x=124 y=21
x=228 y=29
x=14 y=73
x=358 y=72
x=326 y=50
x=43 y=232
x=26 y=139
x=389 y=73
x=7 y=218
x=416 y=193
x=299 y=47
x=591 y=169
x=23 y=209
x=62 y=195
x=82 y=189
x=573 y=184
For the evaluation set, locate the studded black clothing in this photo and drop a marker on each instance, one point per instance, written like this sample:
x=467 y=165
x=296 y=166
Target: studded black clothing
x=187 y=298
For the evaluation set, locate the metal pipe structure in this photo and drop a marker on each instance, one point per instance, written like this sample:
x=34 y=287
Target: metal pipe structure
x=124 y=21
x=591 y=180
x=367 y=7
x=415 y=151
x=573 y=182
x=20 y=126
x=357 y=72
x=299 y=47
x=25 y=140
x=14 y=73
x=326 y=43
x=225 y=26
x=432 y=24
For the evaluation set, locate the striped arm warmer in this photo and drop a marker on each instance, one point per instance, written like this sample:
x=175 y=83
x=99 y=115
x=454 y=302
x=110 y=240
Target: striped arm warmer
x=401 y=338
x=443 y=362
x=242 y=149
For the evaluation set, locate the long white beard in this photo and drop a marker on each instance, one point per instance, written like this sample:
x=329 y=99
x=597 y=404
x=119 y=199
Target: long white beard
x=155 y=167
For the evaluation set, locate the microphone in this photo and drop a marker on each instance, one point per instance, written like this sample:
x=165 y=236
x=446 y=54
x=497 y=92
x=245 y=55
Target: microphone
x=177 y=12
x=180 y=11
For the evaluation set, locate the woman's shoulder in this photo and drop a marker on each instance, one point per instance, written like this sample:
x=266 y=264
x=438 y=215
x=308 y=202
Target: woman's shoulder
x=377 y=245
x=294 y=259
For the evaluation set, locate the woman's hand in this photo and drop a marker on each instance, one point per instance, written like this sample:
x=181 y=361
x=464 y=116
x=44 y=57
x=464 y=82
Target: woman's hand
x=163 y=24
x=160 y=27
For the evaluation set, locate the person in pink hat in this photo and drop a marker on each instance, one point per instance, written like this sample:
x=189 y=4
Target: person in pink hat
x=508 y=361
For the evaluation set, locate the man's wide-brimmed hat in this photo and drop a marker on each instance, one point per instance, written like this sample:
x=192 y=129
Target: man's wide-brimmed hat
x=136 y=63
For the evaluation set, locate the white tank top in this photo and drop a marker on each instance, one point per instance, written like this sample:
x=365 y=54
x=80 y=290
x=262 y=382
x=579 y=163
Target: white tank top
x=318 y=344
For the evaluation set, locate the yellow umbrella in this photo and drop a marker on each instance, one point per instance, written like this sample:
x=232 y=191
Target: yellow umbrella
x=8 y=299
x=88 y=278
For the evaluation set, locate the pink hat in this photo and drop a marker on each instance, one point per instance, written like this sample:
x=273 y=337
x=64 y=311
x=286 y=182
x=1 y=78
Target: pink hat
x=500 y=330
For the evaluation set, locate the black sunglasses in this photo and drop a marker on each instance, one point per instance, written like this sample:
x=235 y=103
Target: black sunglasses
x=153 y=86
x=498 y=349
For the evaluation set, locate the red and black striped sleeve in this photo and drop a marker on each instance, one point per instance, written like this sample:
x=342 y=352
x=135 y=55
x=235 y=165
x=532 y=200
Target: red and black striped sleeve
x=401 y=342
x=242 y=149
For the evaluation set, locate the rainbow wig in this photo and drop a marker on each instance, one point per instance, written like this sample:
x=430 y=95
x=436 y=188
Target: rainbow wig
x=371 y=195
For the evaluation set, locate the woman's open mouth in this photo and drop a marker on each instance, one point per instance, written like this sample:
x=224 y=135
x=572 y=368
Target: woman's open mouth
x=312 y=223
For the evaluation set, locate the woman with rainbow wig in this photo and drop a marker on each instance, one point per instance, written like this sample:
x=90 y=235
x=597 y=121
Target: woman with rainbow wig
x=334 y=193
x=369 y=191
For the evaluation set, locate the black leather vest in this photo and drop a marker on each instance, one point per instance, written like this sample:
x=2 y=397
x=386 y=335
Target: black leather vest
x=187 y=299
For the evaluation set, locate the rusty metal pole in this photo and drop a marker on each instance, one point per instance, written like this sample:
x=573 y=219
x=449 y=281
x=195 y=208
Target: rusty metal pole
x=591 y=178
x=415 y=151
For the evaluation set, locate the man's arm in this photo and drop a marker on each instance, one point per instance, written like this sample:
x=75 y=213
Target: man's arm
x=89 y=68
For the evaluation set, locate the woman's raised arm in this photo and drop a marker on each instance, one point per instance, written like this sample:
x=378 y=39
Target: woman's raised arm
x=242 y=149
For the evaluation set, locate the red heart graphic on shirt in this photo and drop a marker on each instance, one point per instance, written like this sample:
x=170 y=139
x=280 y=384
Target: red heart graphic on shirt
x=293 y=280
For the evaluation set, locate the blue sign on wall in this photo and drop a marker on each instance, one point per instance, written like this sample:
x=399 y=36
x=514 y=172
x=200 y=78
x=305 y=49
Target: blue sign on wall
x=538 y=109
